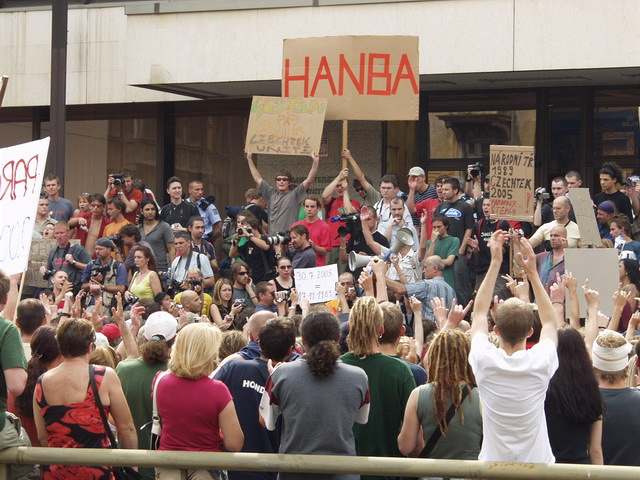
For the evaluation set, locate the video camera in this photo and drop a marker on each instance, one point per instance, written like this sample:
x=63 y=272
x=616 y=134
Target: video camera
x=541 y=193
x=351 y=225
x=475 y=169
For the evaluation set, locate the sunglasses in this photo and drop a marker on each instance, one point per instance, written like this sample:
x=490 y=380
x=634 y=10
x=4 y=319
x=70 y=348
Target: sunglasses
x=282 y=179
x=243 y=273
x=286 y=267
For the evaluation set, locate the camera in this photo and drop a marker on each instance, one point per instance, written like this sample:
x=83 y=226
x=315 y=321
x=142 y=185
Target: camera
x=97 y=269
x=206 y=202
x=475 y=169
x=351 y=225
x=244 y=231
x=195 y=283
x=118 y=179
x=48 y=274
x=278 y=239
x=541 y=193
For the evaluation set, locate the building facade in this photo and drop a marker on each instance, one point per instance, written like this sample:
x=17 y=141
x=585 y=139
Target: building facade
x=163 y=88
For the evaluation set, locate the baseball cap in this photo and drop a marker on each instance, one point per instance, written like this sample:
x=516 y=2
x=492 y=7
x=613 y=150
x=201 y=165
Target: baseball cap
x=161 y=324
x=111 y=331
x=101 y=340
x=416 y=172
x=106 y=242
x=607 y=206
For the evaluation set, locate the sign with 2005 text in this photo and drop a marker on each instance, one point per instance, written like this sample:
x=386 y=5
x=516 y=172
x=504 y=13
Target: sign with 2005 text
x=21 y=172
x=363 y=77
x=512 y=182
x=316 y=284
x=285 y=126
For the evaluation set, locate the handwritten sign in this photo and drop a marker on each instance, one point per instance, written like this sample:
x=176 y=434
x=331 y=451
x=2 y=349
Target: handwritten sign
x=512 y=182
x=22 y=169
x=285 y=126
x=317 y=284
x=585 y=217
x=364 y=77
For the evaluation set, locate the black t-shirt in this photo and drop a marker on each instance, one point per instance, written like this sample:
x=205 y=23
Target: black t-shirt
x=481 y=259
x=620 y=200
x=180 y=213
x=621 y=426
x=262 y=263
x=259 y=212
x=460 y=215
x=246 y=379
x=569 y=441
x=360 y=246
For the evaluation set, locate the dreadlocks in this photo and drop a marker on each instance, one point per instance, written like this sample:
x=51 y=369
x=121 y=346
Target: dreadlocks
x=448 y=368
x=365 y=321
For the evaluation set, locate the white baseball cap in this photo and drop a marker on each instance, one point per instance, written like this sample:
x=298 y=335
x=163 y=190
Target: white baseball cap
x=160 y=324
x=416 y=172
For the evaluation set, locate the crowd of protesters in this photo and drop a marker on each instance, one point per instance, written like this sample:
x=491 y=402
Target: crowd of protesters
x=173 y=328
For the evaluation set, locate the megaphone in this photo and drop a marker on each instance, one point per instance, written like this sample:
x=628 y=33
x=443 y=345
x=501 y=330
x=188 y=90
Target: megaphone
x=358 y=261
x=404 y=237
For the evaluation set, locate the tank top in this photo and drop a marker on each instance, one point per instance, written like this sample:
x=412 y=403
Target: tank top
x=141 y=288
x=461 y=441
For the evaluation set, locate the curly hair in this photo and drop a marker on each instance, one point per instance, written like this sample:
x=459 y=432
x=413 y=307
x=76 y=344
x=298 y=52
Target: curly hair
x=320 y=334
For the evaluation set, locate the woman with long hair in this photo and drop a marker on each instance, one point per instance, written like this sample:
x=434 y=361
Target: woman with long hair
x=573 y=406
x=45 y=355
x=319 y=397
x=223 y=309
x=65 y=408
x=137 y=374
x=629 y=276
x=197 y=412
x=451 y=383
x=156 y=233
x=390 y=381
x=145 y=282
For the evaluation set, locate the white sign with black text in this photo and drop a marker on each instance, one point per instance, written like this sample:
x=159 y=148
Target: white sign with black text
x=316 y=284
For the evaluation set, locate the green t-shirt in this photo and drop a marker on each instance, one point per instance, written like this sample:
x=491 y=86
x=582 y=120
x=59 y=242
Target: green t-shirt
x=445 y=247
x=136 y=377
x=11 y=356
x=390 y=384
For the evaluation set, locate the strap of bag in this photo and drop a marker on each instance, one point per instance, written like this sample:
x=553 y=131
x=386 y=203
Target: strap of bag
x=437 y=433
x=156 y=426
x=103 y=415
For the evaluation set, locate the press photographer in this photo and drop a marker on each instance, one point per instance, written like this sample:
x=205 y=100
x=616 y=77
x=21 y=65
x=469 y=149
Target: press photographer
x=104 y=276
x=185 y=260
x=251 y=246
x=364 y=237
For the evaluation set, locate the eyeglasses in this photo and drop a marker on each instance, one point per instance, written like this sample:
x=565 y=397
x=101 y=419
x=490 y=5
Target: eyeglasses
x=286 y=267
x=282 y=179
x=243 y=273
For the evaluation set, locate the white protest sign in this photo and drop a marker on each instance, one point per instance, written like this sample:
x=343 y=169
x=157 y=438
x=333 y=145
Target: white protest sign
x=316 y=284
x=600 y=266
x=21 y=172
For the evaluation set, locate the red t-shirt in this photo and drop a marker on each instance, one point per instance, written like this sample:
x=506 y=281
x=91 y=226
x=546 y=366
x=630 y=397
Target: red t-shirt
x=333 y=210
x=134 y=194
x=429 y=205
x=319 y=234
x=189 y=412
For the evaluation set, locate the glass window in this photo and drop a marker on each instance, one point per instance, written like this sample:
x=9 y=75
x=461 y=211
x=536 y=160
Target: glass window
x=14 y=133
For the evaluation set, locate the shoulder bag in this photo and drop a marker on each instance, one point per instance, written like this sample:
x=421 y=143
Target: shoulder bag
x=435 y=436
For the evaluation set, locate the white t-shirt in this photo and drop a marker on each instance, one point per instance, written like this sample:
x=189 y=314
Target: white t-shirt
x=512 y=391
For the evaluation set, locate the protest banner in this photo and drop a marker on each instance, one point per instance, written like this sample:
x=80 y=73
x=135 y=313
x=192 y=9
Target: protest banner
x=285 y=126
x=38 y=255
x=585 y=217
x=316 y=284
x=22 y=168
x=512 y=181
x=363 y=77
x=600 y=267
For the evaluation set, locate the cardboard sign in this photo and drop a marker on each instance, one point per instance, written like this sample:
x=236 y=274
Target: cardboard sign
x=512 y=182
x=600 y=266
x=585 y=217
x=285 y=126
x=364 y=77
x=317 y=284
x=22 y=168
x=38 y=256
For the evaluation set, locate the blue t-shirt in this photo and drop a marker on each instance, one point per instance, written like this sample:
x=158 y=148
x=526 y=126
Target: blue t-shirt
x=633 y=246
x=246 y=379
x=419 y=373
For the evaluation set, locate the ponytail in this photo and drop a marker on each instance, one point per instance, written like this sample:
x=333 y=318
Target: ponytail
x=322 y=358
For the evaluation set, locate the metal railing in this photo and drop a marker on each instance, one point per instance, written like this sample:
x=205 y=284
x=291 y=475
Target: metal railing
x=320 y=464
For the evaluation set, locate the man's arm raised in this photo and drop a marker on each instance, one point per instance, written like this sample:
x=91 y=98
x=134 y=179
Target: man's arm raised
x=313 y=171
x=257 y=177
x=480 y=322
x=527 y=259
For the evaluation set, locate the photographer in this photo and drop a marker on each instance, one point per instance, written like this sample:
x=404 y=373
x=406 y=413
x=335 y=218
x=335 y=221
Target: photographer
x=186 y=259
x=365 y=238
x=104 y=277
x=120 y=185
x=300 y=249
x=544 y=211
x=249 y=245
x=193 y=282
x=196 y=228
x=475 y=186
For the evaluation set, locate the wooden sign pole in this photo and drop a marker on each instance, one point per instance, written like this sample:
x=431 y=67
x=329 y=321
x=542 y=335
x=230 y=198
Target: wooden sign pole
x=3 y=87
x=345 y=141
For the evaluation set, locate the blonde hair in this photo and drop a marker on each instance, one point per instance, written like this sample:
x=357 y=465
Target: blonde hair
x=105 y=356
x=195 y=353
x=365 y=322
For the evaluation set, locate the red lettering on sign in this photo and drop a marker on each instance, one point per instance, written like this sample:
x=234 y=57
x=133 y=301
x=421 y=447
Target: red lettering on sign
x=17 y=174
x=323 y=73
x=405 y=64
x=371 y=74
x=345 y=67
x=296 y=78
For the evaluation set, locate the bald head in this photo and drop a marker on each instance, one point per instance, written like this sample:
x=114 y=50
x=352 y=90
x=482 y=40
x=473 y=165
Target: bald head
x=257 y=321
x=191 y=301
x=561 y=208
